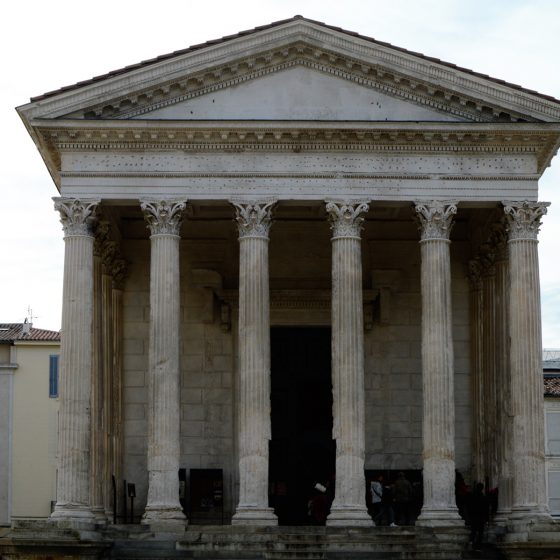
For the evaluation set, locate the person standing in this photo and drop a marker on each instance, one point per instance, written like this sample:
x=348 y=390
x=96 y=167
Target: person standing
x=402 y=495
x=478 y=514
x=376 y=492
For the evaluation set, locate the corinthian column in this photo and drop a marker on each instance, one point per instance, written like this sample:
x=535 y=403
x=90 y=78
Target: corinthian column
x=528 y=465
x=438 y=428
x=164 y=220
x=76 y=350
x=97 y=449
x=253 y=221
x=503 y=377
x=476 y=309
x=348 y=508
x=489 y=358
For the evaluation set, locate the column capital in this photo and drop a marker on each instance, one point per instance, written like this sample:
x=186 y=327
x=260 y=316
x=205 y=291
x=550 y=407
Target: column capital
x=77 y=216
x=435 y=218
x=164 y=216
x=119 y=272
x=346 y=217
x=524 y=219
x=475 y=273
x=102 y=228
x=253 y=218
x=487 y=258
x=499 y=238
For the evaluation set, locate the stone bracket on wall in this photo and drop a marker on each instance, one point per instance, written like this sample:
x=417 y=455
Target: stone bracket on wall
x=385 y=282
x=209 y=284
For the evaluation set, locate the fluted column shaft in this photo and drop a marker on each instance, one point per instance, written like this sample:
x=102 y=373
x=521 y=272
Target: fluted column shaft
x=74 y=434
x=254 y=220
x=529 y=487
x=347 y=347
x=503 y=377
x=119 y=272
x=107 y=335
x=476 y=332
x=489 y=357
x=163 y=506
x=97 y=450
x=438 y=428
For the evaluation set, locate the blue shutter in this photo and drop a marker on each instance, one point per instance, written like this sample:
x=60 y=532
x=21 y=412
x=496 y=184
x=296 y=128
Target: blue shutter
x=53 y=376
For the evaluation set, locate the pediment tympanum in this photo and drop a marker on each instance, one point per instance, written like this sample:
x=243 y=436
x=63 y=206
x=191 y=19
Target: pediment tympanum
x=299 y=93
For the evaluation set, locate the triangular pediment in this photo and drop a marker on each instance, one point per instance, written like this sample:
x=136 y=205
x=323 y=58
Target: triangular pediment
x=296 y=69
x=297 y=93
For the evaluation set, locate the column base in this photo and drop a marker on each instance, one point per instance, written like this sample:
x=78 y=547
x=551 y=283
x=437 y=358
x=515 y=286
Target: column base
x=349 y=516
x=99 y=515
x=502 y=517
x=254 y=516
x=445 y=517
x=69 y=515
x=164 y=519
x=527 y=525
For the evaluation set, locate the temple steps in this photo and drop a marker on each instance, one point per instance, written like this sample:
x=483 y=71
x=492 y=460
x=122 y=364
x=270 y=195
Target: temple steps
x=290 y=543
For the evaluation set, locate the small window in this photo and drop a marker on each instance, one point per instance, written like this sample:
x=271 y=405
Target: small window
x=553 y=432
x=554 y=492
x=53 y=376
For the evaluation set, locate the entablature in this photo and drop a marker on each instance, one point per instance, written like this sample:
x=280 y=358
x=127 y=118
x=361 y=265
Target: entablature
x=140 y=141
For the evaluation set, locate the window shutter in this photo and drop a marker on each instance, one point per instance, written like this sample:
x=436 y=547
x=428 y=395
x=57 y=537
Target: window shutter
x=53 y=376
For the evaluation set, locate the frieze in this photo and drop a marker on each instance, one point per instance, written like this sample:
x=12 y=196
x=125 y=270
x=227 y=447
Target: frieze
x=77 y=216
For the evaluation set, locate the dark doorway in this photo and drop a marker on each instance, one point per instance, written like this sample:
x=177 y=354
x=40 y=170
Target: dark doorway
x=302 y=452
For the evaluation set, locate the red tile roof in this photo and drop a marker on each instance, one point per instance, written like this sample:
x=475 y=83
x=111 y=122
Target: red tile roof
x=12 y=332
x=199 y=46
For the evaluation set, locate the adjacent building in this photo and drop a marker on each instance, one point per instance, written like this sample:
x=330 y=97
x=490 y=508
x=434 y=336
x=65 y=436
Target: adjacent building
x=551 y=367
x=28 y=420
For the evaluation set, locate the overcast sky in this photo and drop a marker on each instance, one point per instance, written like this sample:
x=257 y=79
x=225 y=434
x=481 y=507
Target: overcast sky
x=46 y=45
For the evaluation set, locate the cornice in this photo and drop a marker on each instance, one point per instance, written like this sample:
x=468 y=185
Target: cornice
x=541 y=139
x=365 y=59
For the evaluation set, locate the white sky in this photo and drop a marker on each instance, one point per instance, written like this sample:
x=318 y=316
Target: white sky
x=46 y=45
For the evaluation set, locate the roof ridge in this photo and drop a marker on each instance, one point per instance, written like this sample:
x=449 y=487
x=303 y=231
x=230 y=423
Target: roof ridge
x=239 y=34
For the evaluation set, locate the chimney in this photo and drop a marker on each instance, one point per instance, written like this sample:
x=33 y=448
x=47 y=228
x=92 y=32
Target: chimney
x=26 y=327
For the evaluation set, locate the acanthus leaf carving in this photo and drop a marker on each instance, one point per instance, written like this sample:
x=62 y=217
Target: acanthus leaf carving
x=119 y=272
x=346 y=217
x=435 y=218
x=77 y=216
x=253 y=218
x=164 y=216
x=475 y=274
x=524 y=219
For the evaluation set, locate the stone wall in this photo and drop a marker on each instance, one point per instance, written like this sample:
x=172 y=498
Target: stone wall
x=300 y=259
x=393 y=364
